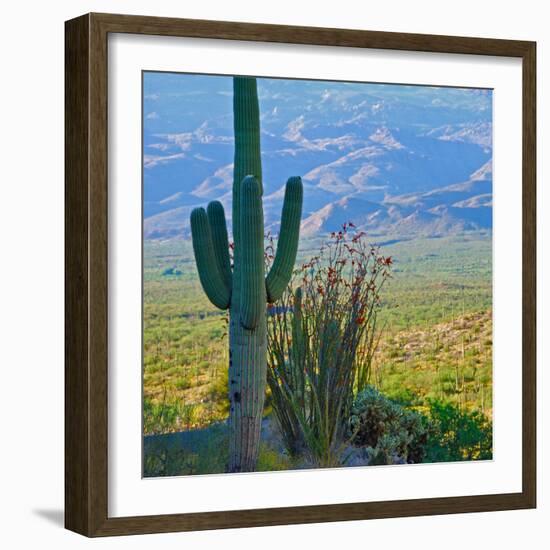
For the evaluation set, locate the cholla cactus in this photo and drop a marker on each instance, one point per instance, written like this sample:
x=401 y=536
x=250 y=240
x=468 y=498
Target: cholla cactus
x=245 y=290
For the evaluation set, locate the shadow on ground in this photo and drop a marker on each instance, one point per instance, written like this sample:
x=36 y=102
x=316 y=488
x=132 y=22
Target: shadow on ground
x=55 y=516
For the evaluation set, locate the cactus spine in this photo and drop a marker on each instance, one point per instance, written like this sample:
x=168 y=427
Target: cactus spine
x=245 y=290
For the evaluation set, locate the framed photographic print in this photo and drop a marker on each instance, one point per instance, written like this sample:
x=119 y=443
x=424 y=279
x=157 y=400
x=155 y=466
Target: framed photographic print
x=300 y=274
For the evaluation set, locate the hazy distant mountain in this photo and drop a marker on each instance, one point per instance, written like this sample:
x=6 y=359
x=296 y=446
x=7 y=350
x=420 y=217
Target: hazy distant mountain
x=392 y=159
x=454 y=208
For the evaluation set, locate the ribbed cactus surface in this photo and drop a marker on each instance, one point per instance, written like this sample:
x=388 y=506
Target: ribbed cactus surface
x=245 y=290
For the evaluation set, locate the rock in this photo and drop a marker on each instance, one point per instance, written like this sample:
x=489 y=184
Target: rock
x=355 y=456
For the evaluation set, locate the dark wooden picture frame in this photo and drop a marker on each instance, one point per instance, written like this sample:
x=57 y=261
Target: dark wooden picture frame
x=86 y=281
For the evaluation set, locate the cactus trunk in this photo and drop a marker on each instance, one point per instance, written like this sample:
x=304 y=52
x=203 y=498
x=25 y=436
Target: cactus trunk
x=247 y=333
x=246 y=290
x=247 y=383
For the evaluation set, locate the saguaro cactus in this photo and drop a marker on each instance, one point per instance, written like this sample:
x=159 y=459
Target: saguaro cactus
x=245 y=290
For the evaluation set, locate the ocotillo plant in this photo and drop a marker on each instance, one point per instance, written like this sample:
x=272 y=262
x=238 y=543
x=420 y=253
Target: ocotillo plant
x=245 y=289
x=321 y=342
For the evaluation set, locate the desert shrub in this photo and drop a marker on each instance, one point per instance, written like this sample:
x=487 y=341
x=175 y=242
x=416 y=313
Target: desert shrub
x=270 y=460
x=167 y=415
x=321 y=339
x=390 y=432
x=218 y=393
x=457 y=434
x=158 y=417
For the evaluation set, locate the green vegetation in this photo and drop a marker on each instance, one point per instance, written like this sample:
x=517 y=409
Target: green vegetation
x=436 y=344
x=387 y=432
x=321 y=341
x=449 y=361
x=455 y=434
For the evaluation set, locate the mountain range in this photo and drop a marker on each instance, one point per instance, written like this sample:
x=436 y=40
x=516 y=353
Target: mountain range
x=393 y=159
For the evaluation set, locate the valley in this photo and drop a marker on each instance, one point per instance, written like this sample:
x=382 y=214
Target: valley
x=436 y=323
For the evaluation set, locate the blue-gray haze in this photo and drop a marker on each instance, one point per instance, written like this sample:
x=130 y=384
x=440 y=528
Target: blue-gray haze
x=393 y=159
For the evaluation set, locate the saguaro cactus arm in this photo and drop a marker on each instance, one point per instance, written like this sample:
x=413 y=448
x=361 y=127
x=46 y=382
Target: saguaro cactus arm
x=287 y=245
x=209 y=274
x=252 y=253
x=218 y=228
